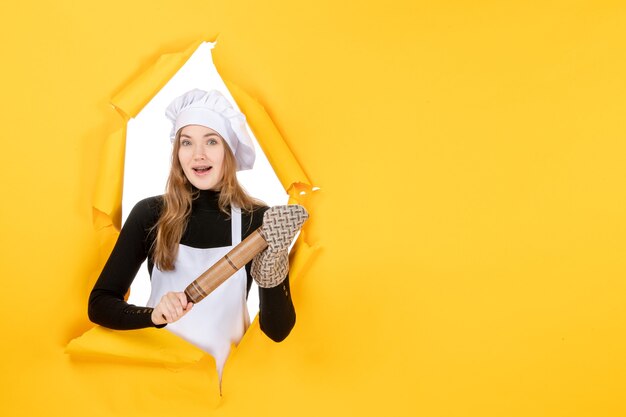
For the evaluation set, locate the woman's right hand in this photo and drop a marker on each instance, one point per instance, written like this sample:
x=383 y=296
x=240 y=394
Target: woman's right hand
x=171 y=308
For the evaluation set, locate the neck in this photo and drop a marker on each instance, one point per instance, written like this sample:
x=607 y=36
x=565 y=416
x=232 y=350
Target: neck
x=206 y=198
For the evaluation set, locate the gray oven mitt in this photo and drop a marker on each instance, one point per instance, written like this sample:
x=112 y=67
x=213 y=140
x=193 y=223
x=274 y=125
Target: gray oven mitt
x=280 y=225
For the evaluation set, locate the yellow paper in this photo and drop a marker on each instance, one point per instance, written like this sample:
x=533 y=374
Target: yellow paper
x=470 y=159
x=148 y=345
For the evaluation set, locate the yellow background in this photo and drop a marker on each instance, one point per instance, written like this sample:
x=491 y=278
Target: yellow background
x=471 y=213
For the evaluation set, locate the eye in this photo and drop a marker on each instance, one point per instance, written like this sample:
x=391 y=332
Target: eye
x=212 y=142
x=185 y=142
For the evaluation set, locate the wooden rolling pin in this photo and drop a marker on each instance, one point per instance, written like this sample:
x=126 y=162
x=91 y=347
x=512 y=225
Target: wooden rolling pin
x=280 y=225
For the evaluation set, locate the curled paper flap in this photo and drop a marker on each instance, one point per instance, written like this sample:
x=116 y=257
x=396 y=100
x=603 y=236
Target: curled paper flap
x=110 y=178
x=140 y=346
x=283 y=161
x=140 y=91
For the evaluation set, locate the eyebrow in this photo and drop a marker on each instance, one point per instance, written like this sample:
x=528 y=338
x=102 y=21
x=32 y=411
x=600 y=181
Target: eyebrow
x=205 y=136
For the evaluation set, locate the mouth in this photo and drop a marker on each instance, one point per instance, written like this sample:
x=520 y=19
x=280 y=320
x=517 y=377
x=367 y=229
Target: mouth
x=202 y=170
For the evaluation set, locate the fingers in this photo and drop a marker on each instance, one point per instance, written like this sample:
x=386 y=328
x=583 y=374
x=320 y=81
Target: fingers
x=184 y=304
x=172 y=307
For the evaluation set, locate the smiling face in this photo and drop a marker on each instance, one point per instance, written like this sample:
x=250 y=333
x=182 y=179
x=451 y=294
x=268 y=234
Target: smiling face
x=201 y=155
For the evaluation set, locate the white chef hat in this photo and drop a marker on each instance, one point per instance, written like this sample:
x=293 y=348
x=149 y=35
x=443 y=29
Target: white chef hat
x=213 y=110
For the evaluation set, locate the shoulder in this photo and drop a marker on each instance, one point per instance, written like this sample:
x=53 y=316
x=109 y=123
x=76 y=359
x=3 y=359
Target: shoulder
x=149 y=204
x=146 y=212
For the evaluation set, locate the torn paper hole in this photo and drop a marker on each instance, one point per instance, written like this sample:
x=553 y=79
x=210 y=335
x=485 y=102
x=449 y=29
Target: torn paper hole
x=148 y=153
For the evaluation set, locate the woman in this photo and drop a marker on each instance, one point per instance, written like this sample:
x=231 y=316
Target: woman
x=202 y=215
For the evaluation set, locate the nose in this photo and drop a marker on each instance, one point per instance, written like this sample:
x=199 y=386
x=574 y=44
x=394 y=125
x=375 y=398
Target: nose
x=198 y=153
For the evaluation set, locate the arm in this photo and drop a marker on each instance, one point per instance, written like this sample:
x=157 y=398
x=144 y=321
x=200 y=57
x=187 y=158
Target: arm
x=277 y=314
x=106 y=301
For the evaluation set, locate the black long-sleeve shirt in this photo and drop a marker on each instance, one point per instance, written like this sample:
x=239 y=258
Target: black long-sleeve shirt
x=207 y=227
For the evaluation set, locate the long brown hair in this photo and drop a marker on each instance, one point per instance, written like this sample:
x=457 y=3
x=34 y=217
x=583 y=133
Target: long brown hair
x=179 y=194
